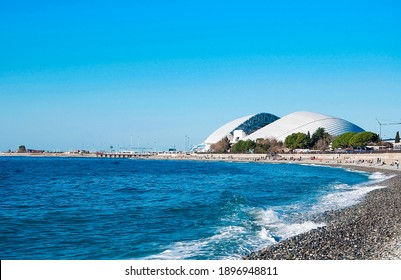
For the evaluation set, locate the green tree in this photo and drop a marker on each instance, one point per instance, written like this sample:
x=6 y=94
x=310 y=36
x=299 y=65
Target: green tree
x=320 y=134
x=343 y=141
x=309 y=139
x=297 y=141
x=243 y=146
x=363 y=138
x=397 y=137
x=290 y=141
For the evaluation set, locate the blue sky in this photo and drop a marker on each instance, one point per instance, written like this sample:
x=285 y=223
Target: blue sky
x=90 y=74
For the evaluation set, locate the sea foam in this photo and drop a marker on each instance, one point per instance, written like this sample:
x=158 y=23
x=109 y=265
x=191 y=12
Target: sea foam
x=191 y=249
x=347 y=195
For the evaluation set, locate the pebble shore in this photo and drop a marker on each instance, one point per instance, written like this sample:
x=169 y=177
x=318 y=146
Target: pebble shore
x=370 y=230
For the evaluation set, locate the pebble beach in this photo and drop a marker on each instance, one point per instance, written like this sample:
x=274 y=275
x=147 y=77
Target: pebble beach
x=370 y=230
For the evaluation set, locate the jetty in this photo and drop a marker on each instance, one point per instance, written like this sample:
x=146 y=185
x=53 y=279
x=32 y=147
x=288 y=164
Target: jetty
x=123 y=155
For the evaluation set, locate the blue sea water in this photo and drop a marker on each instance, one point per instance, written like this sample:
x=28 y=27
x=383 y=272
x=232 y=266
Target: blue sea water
x=86 y=208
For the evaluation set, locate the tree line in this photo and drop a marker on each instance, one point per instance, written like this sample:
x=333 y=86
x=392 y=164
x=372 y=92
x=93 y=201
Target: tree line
x=319 y=140
x=260 y=146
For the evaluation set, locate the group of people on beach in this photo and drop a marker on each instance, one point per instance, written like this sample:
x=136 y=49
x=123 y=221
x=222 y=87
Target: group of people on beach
x=396 y=163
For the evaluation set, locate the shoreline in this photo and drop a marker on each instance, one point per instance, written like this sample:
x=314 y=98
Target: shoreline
x=368 y=230
x=385 y=161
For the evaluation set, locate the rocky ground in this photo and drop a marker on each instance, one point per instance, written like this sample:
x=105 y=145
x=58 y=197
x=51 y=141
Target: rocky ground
x=370 y=230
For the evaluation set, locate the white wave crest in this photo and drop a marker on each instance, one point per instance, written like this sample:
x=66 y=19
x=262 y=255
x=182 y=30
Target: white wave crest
x=273 y=225
x=378 y=177
x=265 y=217
x=288 y=230
x=194 y=248
x=233 y=242
x=266 y=226
x=335 y=201
x=342 y=187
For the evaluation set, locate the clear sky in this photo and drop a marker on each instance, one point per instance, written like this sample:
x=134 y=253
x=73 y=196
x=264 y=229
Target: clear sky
x=90 y=74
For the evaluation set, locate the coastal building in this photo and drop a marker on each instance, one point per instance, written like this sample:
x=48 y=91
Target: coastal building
x=238 y=129
x=34 y=151
x=304 y=122
x=265 y=125
x=238 y=135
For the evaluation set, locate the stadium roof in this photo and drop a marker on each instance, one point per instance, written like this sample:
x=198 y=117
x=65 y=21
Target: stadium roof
x=303 y=122
x=265 y=125
x=248 y=124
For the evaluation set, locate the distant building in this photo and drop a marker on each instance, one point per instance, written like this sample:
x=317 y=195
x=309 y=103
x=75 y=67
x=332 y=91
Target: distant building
x=33 y=151
x=238 y=135
x=265 y=125
x=395 y=146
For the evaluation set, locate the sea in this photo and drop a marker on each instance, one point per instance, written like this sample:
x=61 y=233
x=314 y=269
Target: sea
x=133 y=209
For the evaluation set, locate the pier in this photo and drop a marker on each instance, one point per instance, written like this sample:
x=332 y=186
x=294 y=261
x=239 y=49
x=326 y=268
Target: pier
x=123 y=155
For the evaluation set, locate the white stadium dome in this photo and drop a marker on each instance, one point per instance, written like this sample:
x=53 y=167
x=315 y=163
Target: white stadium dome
x=265 y=125
x=304 y=122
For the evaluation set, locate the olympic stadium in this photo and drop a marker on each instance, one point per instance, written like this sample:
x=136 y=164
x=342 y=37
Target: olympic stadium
x=265 y=125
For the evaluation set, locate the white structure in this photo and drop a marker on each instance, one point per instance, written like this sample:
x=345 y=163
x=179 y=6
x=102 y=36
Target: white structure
x=238 y=135
x=304 y=122
x=225 y=130
x=266 y=125
x=237 y=129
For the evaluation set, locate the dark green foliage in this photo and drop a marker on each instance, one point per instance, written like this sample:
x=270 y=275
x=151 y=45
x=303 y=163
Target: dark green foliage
x=397 y=137
x=243 y=146
x=309 y=139
x=355 y=140
x=261 y=146
x=320 y=134
x=297 y=141
x=363 y=138
x=343 y=141
x=319 y=140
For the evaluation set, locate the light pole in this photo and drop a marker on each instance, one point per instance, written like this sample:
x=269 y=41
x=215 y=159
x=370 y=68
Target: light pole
x=185 y=146
x=380 y=133
x=186 y=143
x=380 y=124
x=132 y=143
